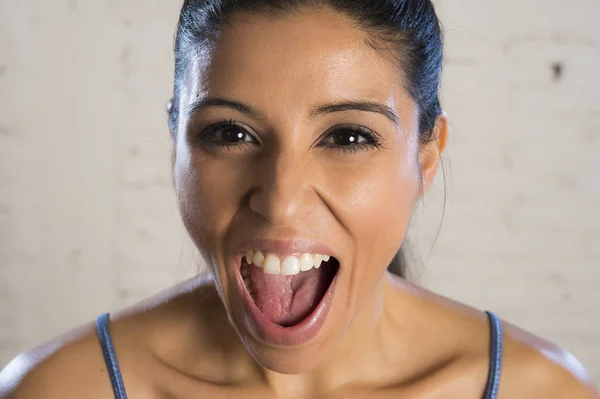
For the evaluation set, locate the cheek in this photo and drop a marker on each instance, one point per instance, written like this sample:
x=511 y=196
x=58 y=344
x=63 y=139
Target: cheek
x=192 y=206
x=378 y=201
x=197 y=196
x=209 y=193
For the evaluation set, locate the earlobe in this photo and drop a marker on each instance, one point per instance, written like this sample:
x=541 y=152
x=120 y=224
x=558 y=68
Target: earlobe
x=169 y=109
x=431 y=152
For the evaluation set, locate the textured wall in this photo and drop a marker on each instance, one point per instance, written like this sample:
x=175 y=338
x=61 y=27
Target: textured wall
x=88 y=221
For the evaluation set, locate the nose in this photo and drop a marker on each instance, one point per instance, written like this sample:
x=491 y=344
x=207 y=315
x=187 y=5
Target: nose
x=282 y=188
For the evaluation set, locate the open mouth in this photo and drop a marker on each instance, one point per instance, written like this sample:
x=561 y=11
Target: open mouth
x=288 y=290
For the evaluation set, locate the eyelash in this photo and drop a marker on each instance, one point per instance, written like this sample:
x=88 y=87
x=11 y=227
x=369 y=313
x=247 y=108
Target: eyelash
x=208 y=135
x=371 y=140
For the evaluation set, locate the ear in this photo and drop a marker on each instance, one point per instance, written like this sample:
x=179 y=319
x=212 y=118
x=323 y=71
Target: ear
x=430 y=154
x=169 y=109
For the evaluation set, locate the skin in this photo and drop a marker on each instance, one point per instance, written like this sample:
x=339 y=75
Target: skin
x=384 y=337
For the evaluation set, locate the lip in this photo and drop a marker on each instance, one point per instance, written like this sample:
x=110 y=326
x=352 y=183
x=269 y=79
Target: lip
x=264 y=330
x=287 y=247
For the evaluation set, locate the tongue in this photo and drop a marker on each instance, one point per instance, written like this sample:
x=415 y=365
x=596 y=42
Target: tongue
x=287 y=300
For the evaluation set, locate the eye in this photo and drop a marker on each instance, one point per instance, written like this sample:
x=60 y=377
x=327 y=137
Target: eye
x=228 y=133
x=350 y=138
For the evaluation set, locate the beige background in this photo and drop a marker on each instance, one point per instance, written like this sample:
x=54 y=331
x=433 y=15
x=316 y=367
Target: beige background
x=88 y=221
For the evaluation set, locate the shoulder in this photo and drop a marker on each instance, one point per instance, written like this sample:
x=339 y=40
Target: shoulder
x=69 y=366
x=145 y=337
x=531 y=366
x=535 y=368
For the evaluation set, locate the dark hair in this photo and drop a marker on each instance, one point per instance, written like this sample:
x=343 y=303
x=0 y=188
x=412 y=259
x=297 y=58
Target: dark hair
x=410 y=27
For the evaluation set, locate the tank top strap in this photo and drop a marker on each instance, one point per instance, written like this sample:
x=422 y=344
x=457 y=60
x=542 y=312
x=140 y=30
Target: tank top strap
x=110 y=356
x=495 y=356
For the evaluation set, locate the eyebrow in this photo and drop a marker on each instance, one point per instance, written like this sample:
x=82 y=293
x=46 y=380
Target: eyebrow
x=343 y=106
x=223 y=103
x=359 y=105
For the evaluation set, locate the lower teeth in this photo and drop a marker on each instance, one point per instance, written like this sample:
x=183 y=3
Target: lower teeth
x=246 y=276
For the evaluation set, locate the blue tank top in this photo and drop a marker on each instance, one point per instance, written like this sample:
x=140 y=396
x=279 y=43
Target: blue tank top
x=110 y=357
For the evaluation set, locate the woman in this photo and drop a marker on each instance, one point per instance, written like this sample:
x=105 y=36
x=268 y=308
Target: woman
x=304 y=133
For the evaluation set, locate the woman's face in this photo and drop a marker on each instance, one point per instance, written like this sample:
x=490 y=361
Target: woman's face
x=296 y=139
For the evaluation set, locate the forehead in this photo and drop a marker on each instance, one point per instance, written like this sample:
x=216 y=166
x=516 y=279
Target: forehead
x=294 y=62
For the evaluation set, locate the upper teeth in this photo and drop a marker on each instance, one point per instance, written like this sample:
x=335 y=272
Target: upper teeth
x=288 y=266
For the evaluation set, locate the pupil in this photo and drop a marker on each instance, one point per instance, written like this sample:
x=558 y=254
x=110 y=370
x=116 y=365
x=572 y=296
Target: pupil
x=347 y=138
x=232 y=135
